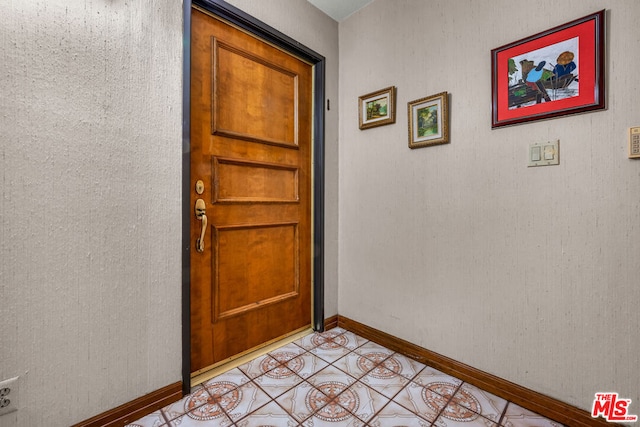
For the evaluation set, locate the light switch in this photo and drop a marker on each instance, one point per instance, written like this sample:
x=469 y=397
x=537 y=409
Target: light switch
x=535 y=153
x=549 y=152
x=544 y=153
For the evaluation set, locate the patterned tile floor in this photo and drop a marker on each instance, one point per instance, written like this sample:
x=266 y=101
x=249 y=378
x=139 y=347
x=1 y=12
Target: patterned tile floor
x=336 y=379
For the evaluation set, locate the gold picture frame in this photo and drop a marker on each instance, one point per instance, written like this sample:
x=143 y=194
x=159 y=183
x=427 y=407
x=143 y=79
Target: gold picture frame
x=429 y=120
x=377 y=108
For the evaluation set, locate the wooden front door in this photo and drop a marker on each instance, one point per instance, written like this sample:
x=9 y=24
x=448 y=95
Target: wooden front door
x=251 y=115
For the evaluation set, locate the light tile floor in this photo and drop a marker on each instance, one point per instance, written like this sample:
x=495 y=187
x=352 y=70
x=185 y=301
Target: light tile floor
x=336 y=379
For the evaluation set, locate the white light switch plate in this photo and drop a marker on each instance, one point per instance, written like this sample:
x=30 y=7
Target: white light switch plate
x=544 y=153
x=634 y=143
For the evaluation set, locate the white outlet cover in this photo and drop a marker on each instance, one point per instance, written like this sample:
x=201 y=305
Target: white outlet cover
x=9 y=395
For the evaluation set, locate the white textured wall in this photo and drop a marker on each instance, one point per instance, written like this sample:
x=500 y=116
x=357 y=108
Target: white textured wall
x=90 y=225
x=303 y=22
x=531 y=274
x=90 y=204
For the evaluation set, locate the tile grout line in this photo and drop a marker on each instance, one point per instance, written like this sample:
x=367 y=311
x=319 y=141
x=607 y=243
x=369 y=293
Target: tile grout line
x=170 y=420
x=497 y=422
x=448 y=401
x=328 y=338
x=376 y=365
x=166 y=419
x=504 y=412
x=439 y=414
x=356 y=380
x=273 y=399
x=280 y=364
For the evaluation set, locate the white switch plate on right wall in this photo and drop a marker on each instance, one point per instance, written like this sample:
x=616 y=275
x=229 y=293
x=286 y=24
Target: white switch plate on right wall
x=544 y=153
x=634 y=143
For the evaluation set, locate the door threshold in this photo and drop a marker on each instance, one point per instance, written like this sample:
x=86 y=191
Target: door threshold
x=223 y=366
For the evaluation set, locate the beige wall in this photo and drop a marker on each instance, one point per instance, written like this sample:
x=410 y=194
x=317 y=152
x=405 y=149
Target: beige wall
x=527 y=273
x=90 y=203
x=90 y=160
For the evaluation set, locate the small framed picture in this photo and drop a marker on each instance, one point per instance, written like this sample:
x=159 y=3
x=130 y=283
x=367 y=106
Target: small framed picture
x=429 y=121
x=377 y=108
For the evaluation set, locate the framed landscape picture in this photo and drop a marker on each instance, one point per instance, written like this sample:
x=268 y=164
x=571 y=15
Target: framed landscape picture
x=429 y=120
x=377 y=108
x=554 y=73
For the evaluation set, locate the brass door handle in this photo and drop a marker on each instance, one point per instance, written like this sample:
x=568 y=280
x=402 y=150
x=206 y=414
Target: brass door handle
x=201 y=210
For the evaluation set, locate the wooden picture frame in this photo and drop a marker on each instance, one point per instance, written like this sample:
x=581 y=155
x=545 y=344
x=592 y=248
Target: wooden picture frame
x=377 y=108
x=429 y=120
x=550 y=74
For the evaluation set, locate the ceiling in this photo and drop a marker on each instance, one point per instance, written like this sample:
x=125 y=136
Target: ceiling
x=339 y=9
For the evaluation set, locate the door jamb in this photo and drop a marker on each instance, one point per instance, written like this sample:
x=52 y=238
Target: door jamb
x=258 y=28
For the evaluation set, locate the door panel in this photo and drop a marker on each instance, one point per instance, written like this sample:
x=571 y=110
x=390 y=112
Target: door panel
x=251 y=146
x=249 y=113
x=240 y=285
x=246 y=181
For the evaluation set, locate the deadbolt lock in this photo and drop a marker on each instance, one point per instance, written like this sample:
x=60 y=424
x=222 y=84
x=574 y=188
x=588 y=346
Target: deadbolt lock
x=199 y=186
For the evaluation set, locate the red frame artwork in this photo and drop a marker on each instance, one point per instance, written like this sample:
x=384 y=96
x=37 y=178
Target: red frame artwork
x=554 y=73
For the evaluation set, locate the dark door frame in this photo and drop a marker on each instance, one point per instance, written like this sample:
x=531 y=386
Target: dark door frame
x=258 y=28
